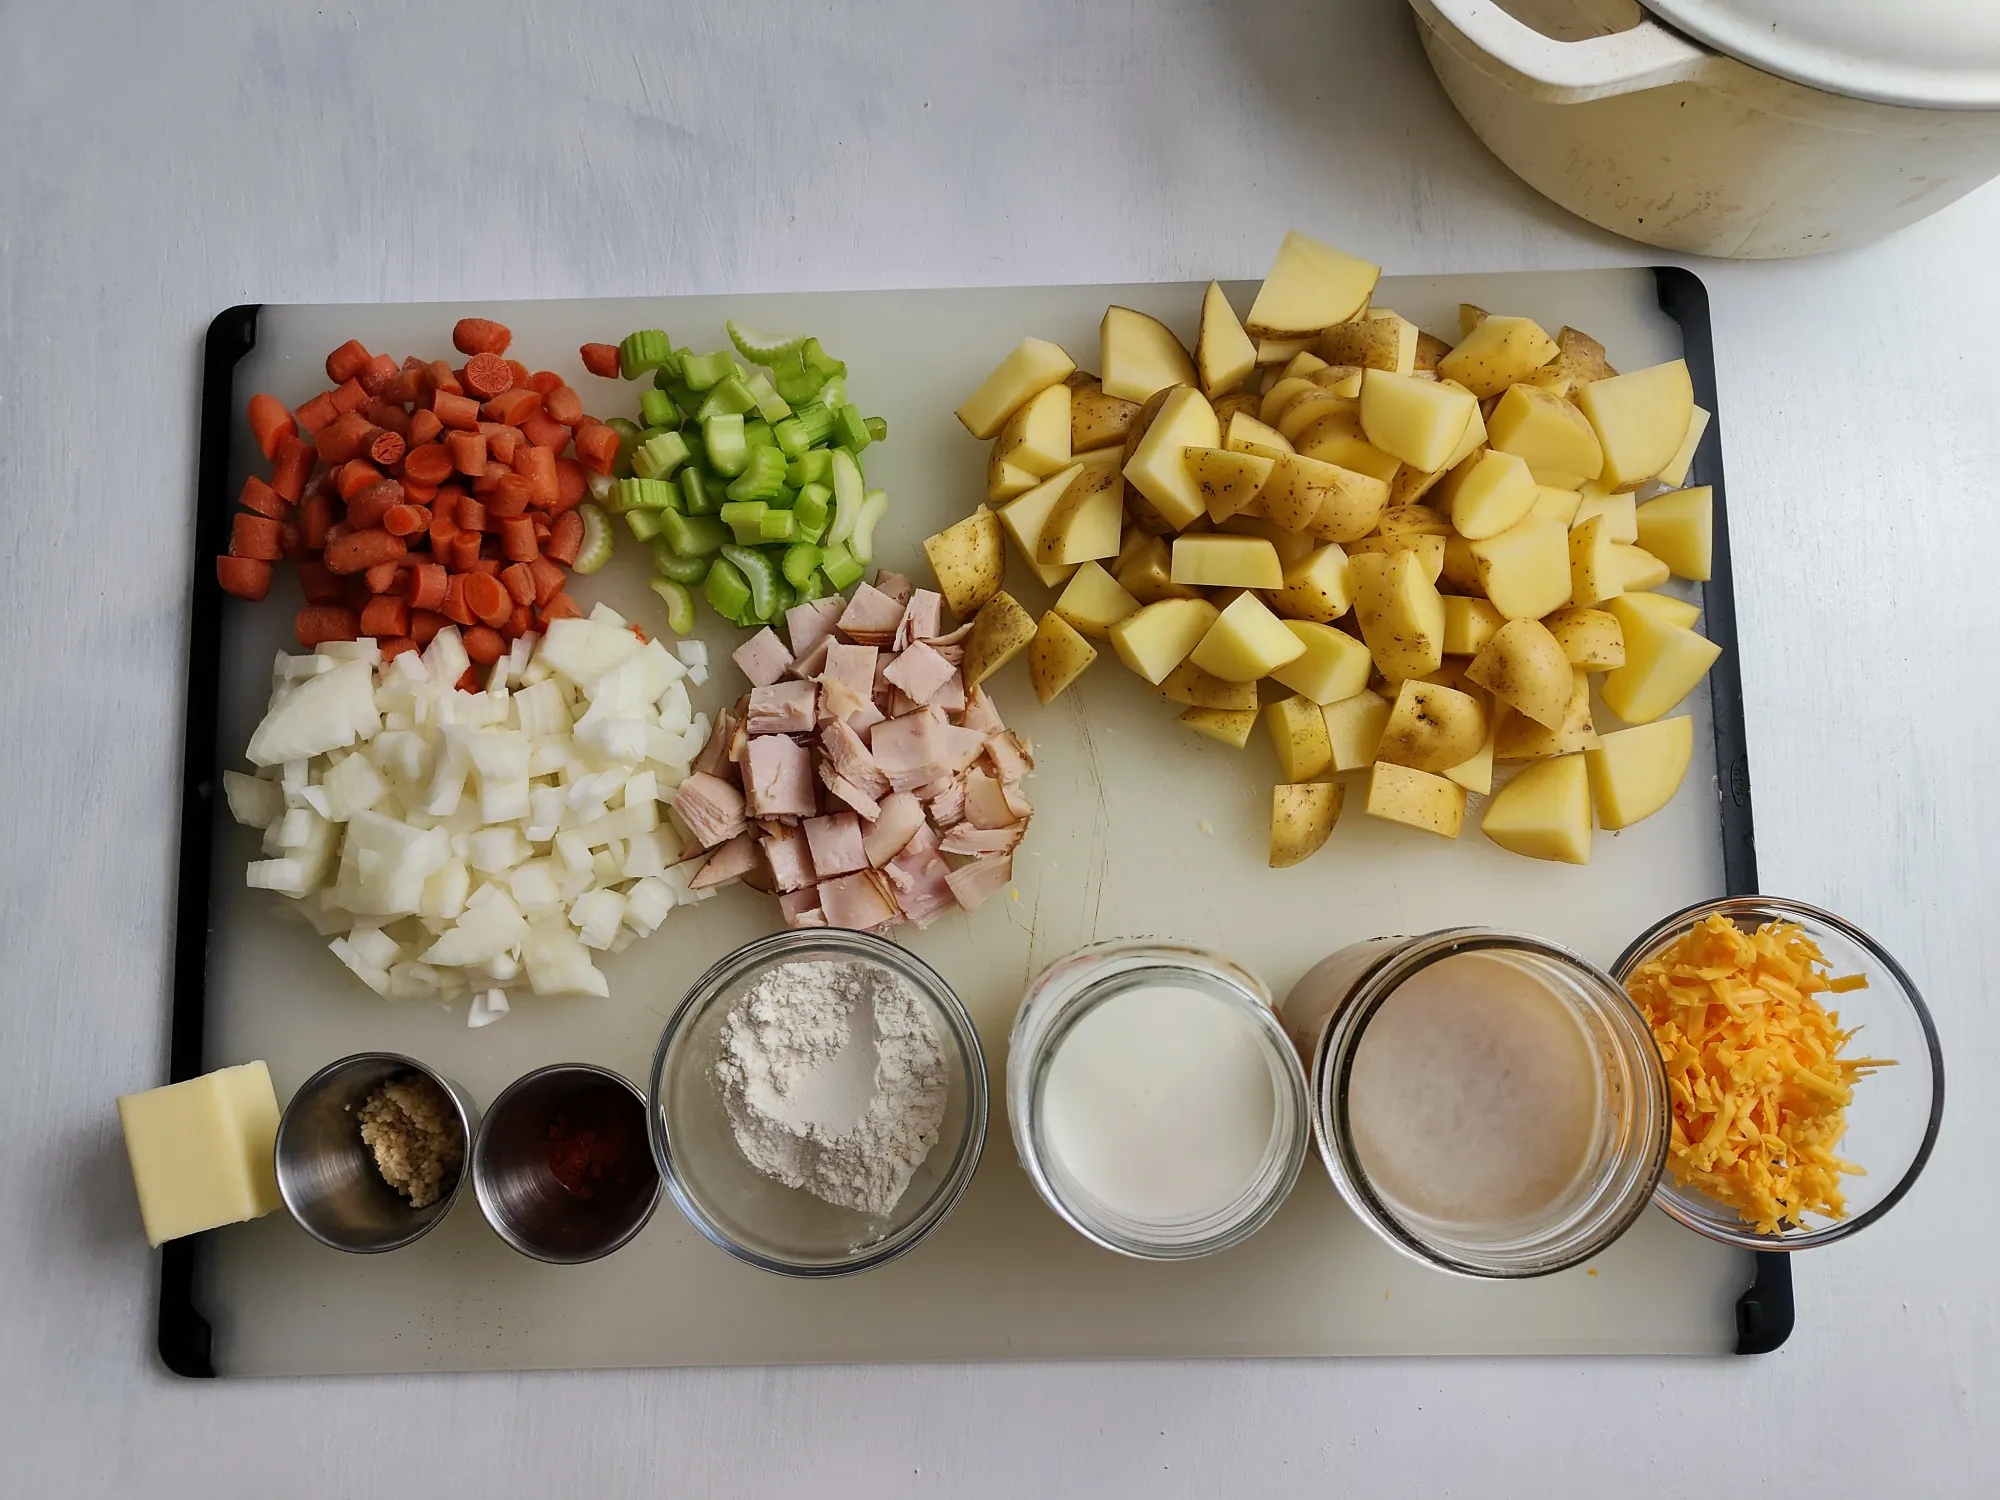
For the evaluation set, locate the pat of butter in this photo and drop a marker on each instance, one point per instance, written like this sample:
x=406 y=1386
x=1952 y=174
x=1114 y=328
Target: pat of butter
x=202 y=1151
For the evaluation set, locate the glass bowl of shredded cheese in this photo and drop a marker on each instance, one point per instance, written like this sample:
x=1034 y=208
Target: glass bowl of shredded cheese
x=1803 y=1071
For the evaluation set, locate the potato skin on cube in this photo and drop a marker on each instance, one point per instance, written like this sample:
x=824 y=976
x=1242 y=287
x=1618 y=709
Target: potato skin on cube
x=1302 y=819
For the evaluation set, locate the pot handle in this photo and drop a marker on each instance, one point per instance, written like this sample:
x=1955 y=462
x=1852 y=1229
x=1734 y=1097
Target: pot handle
x=1647 y=56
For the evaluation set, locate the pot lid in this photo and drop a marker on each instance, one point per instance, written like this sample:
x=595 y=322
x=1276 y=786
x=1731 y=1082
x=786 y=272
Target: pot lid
x=1934 y=54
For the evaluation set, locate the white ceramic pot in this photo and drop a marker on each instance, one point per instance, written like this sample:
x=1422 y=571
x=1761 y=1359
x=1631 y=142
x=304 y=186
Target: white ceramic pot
x=1637 y=128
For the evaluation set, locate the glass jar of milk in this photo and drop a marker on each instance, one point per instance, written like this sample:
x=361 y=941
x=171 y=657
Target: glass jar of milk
x=1487 y=1102
x=1156 y=1102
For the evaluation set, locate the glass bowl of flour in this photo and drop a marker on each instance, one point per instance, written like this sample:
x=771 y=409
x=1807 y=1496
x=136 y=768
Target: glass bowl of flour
x=818 y=1102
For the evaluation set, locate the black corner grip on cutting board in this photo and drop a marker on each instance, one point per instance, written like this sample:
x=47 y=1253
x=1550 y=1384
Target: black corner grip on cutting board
x=1765 y=1313
x=185 y=1338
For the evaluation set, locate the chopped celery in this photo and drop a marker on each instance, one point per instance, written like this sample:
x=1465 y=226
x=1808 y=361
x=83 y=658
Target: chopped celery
x=670 y=564
x=833 y=395
x=730 y=395
x=658 y=457
x=777 y=526
x=645 y=350
x=684 y=397
x=679 y=602
x=784 y=596
x=800 y=562
x=846 y=495
x=812 y=507
x=878 y=429
x=643 y=524
x=790 y=433
x=658 y=409
x=726 y=589
x=849 y=430
x=810 y=468
x=692 y=536
x=723 y=438
x=862 y=542
x=746 y=519
x=816 y=422
x=760 y=348
x=759 y=574
x=628 y=439
x=815 y=587
x=842 y=571
x=595 y=550
x=703 y=371
x=700 y=495
x=796 y=387
x=770 y=405
x=642 y=494
x=819 y=361
x=757 y=434
x=762 y=478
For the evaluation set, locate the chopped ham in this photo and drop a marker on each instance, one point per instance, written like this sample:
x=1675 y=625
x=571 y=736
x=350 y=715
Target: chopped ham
x=840 y=704
x=968 y=839
x=732 y=861
x=801 y=908
x=921 y=879
x=779 y=777
x=907 y=750
x=846 y=791
x=985 y=803
x=836 y=845
x=973 y=883
x=763 y=658
x=948 y=806
x=714 y=759
x=759 y=877
x=895 y=585
x=857 y=900
x=922 y=615
x=787 y=853
x=853 y=667
x=783 y=708
x=951 y=697
x=884 y=837
x=1017 y=801
x=901 y=703
x=957 y=748
x=813 y=918
x=813 y=662
x=845 y=752
x=980 y=714
x=871 y=616
x=710 y=809
x=920 y=672
x=951 y=637
x=1010 y=757
x=811 y=623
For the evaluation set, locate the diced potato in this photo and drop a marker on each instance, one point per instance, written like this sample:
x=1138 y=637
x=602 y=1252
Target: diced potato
x=1662 y=665
x=1273 y=404
x=1664 y=608
x=1675 y=474
x=1140 y=355
x=1544 y=812
x=1310 y=286
x=1333 y=503
x=1521 y=738
x=1094 y=601
x=1339 y=380
x=1004 y=481
x=1429 y=350
x=1316 y=587
x=1085 y=522
x=1228 y=482
x=1147 y=572
x=1333 y=666
x=1620 y=513
x=1057 y=657
x=1641 y=419
x=1291 y=546
x=1421 y=519
x=1496 y=493
x=1034 y=366
x=1470 y=316
x=1036 y=437
x=1001 y=631
x=1302 y=818
x=1298 y=735
x=1310 y=407
x=1637 y=568
x=1336 y=438
x=1354 y=728
x=1558 y=505
x=1400 y=613
x=1188 y=684
x=1223 y=353
x=1496 y=354
x=1475 y=772
x=1545 y=432
x=1158 y=467
x=1524 y=570
x=1216 y=560
x=1283 y=351
x=1590 y=638
x=1635 y=772
x=1679 y=529
x=1246 y=434
x=1417 y=799
x=1461 y=568
x=1469 y=624
x=1595 y=573
x=1305 y=362
x=1417 y=421
x=1524 y=668
x=1244 y=403
x=969 y=560
x=1580 y=358
x=1387 y=343
x=1159 y=637
x=1095 y=419
x=1246 y=642
x=1026 y=518
x=1429 y=548
x=1232 y=726
x=1432 y=727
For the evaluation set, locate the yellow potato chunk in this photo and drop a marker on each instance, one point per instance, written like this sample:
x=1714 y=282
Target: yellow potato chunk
x=1552 y=504
x=1635 y=772
x=1369 y=342
x=1620 y=513
x=1034 y=366
x=1469 y=624
x=1590 y=638
x=1310 y=286
x=1245 y=642
x=1095 y=419
x=1004 y=481
x=1231 y=726
x=1400 y=613
x=1417 y=421
x=1638 y=569
x=1188 y=684
x=1545 y=432
x=1228 y=482
x=1026 y=517
x=1595 y=573
x=1679 y=529
x=1496 y=354
x=1641 y=419
x=1298 y=735
x=1521 y=738
x=1354 y=728
x=1158 y=467
x=1662 y=607
x=1544 y=812
x=1496 y=493
x=1429 y=549
x=1524 y=668
x=1336 y=504
x=1676 y=472
x=1316 y=586
x=1223 y=353
x=1246 y=434
x=1302 y=818
x=1416 y=799
x=1036 y=437
x=1475 y=772
x=1335 y=437
x=1085 y=522
x=1215 y=560
x=1057 y=657
x=1094 y=601
x=1146 y=572
x=1159 y=637
x=1524 y=570
x=969 y=559
x=1001 y=631
x=1333 y=666
x=1139 y=355
x=1663 y=663
x=1432 y=727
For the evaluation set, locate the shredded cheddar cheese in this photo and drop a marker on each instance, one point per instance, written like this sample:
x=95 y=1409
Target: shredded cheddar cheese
x=1758 y=1086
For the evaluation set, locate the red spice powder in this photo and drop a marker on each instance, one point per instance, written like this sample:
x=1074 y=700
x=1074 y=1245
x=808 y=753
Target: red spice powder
x=597 y=1143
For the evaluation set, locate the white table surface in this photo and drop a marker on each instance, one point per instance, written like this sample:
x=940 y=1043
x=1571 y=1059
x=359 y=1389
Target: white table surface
x=166 y=159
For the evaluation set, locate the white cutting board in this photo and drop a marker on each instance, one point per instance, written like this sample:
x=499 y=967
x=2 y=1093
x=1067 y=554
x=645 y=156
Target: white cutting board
x=1140 y=828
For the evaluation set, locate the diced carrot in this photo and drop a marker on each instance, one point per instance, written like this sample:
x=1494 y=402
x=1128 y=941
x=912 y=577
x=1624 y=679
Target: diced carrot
x=419 y=494
x=260 y=497
x=338 y=530
x=342 y=439
x=465 y=551
x=316 y=519
x=480 y=336
x=406 y=520
x=488 y=561
x=424 y=426
x=543 y=381
x=502 y=441
x=316 y=413
x=470 y=514
x=545 y=432
x=488 y=482
x=376 y=373
x=446 y=503
x=318 y=623
x=428 y=582
x=319 y=584
x=355 y=592
x=520 y=581
x=254 y=536
x=571 y=485
x=443 y=532
x=601 y=360
x=509 y=497
x=565 y=537
x=245 y=577
x=292 y=466
x=383 y=577
x=369 y=506
x=350 y=395
x=454 y=601
x=468 y=451
x=520 y=373
x=597 y=447
x=517 y=540
x=291 y=541
x=425 y=623
x=388 y=414
x=383 y=446
x=519 y=623
x=487 y=598
x=444 y=378
x=428 y=463
x=395 y=647
x=486 y=376
x=354 y=476
x=269 y=421
x=539 y=519
x=386 y=615
x=549 y=579
x=405 y=386
x=561 y=607
x=484 y=646
x=468 y=680
x=363 y=549
x=346 y=361
x=459 y=412
x=564 y=404
x=513 y=406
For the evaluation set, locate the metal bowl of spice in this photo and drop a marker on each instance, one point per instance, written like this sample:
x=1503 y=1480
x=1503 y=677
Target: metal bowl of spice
x=818 y=1102
x=371 y=1151
x=562 y=1168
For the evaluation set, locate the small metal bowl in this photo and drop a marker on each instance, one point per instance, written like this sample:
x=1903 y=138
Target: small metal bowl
x=520 y=1194
x=326 y=1173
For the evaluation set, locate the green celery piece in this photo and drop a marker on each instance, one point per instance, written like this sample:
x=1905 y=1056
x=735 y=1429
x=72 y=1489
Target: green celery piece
x=670 y=564
x=723 y=438
x=704 y=371
x=762 y=478
x=819 y=361
x=759 y=574
x=833 y=395
x=679 y=602
x=800 y=562
x=658 y=409
x=862 y=542
x=816 y=422
x=746 y=519
x=810 y=468
x=815 y=587
x=850 y=429
x=643 y=524
x=628 y=439
x=642 y=494
x=761 y=348
x=777 y=526
x=658 y=457
x=797 y=389
x=841 y=569
x=757 y=433
x=878 y=428
x=813 y=507
x=784 y=596
x=727 y=589
x=770 y=405
x=684 y=397
x=734 y=395
x=790 y=433
x=847 y=494
x=700 y=494
x=645 y=350
x=692 y=536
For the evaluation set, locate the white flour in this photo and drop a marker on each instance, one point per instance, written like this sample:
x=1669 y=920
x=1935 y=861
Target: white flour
x=833 y=1078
